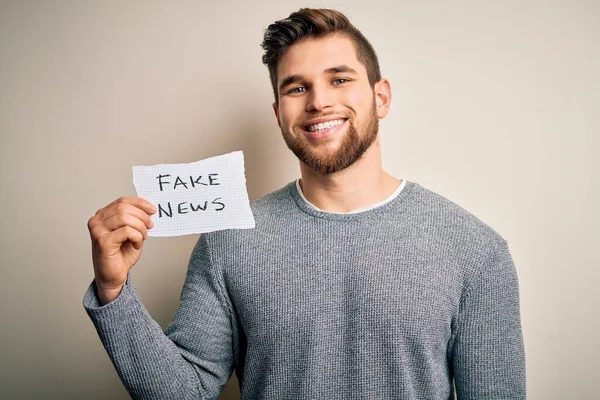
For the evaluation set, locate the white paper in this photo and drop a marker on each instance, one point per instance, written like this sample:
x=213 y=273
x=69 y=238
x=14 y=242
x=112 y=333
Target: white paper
x=198 y=197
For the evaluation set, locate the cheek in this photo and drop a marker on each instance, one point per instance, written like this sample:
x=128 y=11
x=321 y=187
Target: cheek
x=361 y=101
x=286 y=113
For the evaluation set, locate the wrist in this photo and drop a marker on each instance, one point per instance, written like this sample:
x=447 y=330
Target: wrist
x=107 y=295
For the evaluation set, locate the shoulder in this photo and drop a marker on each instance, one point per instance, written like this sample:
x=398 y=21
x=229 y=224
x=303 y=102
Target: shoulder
x=465 y=243
x=452 y=223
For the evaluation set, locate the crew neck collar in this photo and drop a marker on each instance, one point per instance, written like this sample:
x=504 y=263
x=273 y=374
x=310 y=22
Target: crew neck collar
x=399 y=195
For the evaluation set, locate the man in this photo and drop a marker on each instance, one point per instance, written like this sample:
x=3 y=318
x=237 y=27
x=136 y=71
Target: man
x=353 y=285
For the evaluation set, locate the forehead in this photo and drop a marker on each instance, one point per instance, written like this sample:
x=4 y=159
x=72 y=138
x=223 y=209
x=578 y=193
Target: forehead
x=313 y=56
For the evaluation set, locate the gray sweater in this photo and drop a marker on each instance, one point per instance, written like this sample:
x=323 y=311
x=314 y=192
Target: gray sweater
x=391 y=303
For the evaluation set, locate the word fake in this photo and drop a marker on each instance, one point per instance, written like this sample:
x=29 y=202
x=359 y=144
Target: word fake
x=211 y=178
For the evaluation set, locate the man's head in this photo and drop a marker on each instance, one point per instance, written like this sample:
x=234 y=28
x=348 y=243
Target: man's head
x=314 y=23
x=328 y=89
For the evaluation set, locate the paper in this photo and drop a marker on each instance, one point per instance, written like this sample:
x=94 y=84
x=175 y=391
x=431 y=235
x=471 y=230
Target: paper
x=198 y=197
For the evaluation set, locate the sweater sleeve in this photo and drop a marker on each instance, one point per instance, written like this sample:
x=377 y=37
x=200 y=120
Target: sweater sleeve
x=487 y=355
x=193 y=359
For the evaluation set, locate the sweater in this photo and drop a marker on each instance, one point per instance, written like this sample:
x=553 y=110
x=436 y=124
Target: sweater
x=414 y=299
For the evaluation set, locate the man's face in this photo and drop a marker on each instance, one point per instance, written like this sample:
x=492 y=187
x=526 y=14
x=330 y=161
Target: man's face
x=327 y=108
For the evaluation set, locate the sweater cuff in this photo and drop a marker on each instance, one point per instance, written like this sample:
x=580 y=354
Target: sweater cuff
x=92 y=305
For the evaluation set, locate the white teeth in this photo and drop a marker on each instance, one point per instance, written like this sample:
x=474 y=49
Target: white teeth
x=325 y=125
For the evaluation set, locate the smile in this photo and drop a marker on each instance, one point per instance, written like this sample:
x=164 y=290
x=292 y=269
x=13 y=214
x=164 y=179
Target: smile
x=324 y=130
x=325 y=125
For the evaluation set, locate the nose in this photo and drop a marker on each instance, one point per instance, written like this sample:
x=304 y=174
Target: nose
x=318 y=99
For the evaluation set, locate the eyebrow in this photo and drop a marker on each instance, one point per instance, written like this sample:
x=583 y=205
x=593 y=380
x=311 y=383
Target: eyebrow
x=333 y=70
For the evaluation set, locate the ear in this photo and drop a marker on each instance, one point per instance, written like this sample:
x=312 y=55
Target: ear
x=276 y=109
x=383 y=97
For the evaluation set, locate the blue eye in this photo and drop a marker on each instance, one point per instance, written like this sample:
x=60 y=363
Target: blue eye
x=340 y=80
x=297 y=90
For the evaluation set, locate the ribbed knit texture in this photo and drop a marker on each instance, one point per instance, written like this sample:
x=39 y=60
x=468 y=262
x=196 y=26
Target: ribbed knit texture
x=391 y=303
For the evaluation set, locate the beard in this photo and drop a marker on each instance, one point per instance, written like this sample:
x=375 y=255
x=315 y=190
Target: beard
x=351 y=148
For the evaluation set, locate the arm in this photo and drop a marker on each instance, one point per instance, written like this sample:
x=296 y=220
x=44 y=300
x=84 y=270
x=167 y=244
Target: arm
x=487 y=355
x=192 y=360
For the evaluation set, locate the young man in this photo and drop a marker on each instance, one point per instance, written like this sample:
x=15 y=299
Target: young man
x=353 y=285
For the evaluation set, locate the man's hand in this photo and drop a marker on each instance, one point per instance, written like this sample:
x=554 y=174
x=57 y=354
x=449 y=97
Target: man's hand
x=118 y=232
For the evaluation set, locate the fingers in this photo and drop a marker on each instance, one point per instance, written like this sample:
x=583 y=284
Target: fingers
x=118 y=232
x=125 y=211
x=127 y=233
x=120 y=220
x=135 y=201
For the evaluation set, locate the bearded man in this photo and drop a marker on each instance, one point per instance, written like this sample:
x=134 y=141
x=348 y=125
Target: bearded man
x=353 y=285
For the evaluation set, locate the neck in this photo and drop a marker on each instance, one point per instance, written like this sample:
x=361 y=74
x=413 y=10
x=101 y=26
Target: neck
x=362 y=184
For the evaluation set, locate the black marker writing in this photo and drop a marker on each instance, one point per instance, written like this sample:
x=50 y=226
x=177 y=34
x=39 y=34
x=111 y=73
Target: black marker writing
x=194 y=181
x=178 y=181
x=160 y=182
x=219 y=203
x=185 y=207
x=162 y=211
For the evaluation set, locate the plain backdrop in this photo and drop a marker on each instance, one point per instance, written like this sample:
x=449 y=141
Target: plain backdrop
x=495 y=106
